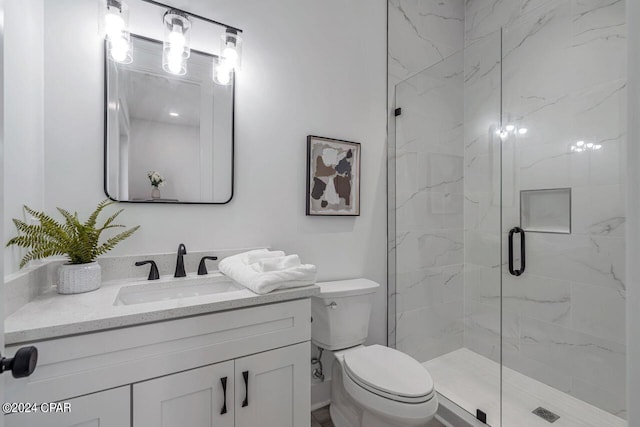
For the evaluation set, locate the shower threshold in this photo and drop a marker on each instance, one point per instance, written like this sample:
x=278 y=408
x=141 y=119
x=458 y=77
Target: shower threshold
x=472 y=382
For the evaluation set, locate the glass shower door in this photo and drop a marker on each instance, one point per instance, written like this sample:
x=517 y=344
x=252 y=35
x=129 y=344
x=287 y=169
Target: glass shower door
x=562 y=211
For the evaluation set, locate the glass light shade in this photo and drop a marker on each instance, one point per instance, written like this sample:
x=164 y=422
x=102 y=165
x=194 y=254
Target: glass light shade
x=176 y=45
x=231 y=49
x=116 y=28
x=222 y=73
x=120 y=49
x=174 y=64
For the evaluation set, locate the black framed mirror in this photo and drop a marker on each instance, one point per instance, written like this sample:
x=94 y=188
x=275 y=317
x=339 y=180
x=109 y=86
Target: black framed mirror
x=168 y=138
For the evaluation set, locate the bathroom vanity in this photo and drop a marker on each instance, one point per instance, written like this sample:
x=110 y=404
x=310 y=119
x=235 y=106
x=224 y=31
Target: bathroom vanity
x=228 y=358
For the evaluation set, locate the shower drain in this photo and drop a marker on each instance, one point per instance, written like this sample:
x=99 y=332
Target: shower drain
x=546 y=414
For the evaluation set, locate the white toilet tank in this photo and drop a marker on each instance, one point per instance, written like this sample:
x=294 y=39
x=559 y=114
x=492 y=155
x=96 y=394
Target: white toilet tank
x=341 y=313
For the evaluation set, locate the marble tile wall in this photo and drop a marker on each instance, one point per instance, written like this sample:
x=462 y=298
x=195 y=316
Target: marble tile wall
x=426 y=176
x=563 y=76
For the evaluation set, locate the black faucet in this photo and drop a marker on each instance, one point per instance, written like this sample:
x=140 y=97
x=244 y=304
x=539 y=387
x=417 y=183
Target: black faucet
x=153 y=272
x=182 y=251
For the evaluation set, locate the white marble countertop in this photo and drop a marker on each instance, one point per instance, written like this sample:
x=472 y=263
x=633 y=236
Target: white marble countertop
x=52 y=315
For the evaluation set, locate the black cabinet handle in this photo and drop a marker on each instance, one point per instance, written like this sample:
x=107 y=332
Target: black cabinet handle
x=224 y=395
x=513 y=271
x=202 y=268
x=245 y=402
x=153 y=272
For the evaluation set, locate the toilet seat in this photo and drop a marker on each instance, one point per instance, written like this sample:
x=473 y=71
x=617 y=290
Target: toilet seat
x=389 y=373
x=388 y=383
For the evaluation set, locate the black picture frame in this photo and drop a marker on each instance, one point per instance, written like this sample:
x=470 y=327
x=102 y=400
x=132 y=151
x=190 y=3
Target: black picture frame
x=354 y=175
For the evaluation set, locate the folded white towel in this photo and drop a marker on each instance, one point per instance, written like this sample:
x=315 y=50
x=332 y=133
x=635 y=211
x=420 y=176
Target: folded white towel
x=277 y=263
x=258 y=254
x=236 y=267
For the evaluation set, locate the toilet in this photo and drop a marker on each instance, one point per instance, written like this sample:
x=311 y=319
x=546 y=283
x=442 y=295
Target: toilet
x=371 y=386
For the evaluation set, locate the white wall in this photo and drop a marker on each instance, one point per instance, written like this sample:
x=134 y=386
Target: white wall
x=173 y=151
x=23 y=115
x=309 y=68
x=633 y=215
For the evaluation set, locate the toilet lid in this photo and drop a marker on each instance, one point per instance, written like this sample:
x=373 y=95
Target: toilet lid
x=389 y=373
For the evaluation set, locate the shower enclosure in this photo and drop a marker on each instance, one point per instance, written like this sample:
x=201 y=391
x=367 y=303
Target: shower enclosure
x=507 y=213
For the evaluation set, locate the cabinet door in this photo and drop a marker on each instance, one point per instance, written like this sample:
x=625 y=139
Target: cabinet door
x=273 y=388
x=111 y=408
x=194 y=398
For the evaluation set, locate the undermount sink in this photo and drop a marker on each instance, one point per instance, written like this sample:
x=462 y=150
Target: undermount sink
x=173 y=289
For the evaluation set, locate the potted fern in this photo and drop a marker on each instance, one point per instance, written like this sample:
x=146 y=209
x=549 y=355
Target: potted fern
x=79 y=241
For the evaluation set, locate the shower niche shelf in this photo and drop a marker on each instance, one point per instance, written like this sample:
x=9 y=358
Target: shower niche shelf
x=546 y=210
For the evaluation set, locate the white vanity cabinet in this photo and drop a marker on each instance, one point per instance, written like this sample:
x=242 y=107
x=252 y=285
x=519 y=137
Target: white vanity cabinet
x=271 y=389
x=110 y=408
x=170 y=373
x=203 y=396
x=277 y=388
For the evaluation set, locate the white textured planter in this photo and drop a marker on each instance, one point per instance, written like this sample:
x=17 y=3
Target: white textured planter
x=79 y=278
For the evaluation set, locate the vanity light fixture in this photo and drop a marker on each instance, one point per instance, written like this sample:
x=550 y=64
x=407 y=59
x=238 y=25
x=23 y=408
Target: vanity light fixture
x=230 y=58
x=116 y=22
x=221 y=72
x=176 y=47
x=231 y=48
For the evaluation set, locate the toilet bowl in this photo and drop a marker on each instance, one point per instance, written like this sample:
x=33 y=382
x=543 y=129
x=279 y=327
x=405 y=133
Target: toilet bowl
x=372 y=386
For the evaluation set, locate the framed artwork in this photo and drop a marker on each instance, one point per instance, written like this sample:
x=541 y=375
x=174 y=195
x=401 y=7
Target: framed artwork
x=333 y=177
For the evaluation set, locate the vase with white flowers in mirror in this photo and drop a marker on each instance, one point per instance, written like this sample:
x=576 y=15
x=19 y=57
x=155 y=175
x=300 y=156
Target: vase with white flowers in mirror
x=157 y=181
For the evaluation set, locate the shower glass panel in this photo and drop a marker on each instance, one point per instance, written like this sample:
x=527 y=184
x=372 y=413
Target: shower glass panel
x=437 y=320
x=563 y=125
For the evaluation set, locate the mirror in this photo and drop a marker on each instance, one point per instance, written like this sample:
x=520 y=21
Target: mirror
x=180 y=127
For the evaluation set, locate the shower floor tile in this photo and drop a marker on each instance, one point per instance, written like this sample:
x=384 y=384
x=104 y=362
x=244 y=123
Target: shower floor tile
x=473 y=381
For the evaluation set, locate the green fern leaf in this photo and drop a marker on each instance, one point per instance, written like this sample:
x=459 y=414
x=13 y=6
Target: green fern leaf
x=80 y=242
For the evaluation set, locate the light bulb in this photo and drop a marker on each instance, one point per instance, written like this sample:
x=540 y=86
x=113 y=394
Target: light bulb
x=523 y=131
x=580 y=143
x=177 y=40
x=504 y=135
x=510 y=128
x=174 y=64
x=579 y=150
x=230 y=55
x=175 y=67
x=176 y=48
x=498 y=132
x=573 y=148
x=231 y=49
x=589 y=144
x=222 y=73
x=224 y=78
x=118 y=55
x=114 y=25
x=597 y=147
x=119 y=49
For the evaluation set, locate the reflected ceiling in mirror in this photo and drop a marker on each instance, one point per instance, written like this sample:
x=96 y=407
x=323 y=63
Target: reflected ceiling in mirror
x=180 y=127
